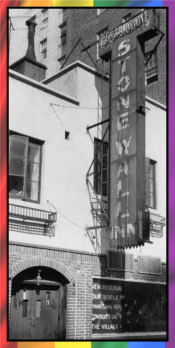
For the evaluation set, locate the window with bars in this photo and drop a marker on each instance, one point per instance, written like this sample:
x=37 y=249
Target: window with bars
x=98 y=38
x=151 y=72
x=43 y=48
x=100 y=167
x=63 y=32
x=24 y=168
x=150 y=168
x=45 y=17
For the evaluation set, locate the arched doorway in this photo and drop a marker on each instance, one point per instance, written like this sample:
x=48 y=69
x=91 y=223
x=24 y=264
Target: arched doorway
x=38 y=305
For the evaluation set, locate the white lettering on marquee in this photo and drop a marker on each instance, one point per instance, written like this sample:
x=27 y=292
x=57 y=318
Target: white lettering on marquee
x=123 y=86
x=116 y=229
x=123 y=145
x=124 y=47
x=122 y=121
x=123 y=102
x=123 y=169
x=123 y=64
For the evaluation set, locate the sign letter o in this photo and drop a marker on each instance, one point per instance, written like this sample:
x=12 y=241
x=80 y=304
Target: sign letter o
x=127 y=82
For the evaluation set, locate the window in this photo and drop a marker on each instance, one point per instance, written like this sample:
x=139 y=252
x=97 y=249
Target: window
x=67 y=135
x=43 y=48
x=100 y=167
x=61 y=61
x=98 y=37
x=150 y=168
x=151 y=74
x=45 y=17
x=24 y=168
x=63 y=32
x=126 y=17
x=100 y=10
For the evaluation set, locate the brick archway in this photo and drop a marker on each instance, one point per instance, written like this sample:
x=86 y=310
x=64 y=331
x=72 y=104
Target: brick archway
x=47 y=262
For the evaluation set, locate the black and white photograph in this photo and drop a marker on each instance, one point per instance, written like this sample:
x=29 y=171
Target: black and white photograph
x=87 y=174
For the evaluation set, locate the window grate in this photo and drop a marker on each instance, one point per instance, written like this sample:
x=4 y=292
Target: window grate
x=149 y=265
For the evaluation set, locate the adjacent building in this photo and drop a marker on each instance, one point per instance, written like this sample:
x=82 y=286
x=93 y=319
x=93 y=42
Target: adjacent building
x=72 y=275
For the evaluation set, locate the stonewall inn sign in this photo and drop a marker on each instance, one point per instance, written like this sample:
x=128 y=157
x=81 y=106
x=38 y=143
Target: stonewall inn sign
x=124 y=47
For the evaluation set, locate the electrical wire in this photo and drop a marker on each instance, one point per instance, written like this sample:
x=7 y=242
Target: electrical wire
x=72 y=222
x=65 y=216
x=87 y=108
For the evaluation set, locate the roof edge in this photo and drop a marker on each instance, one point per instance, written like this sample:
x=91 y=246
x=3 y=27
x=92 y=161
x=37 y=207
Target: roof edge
x=41 y=86
x=13 y=65
x=156 y=103
x=72 y=66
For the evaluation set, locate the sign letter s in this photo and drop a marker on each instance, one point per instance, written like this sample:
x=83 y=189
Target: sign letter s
x=124 y=47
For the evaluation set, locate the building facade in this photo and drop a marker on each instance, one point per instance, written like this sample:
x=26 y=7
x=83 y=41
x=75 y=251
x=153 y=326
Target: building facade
x=65 y=280
x=59 y=41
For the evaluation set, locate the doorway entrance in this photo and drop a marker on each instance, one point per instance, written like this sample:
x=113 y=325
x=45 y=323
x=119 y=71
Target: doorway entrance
x=38 y=305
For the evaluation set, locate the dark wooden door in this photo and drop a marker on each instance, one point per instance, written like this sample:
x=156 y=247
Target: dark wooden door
x=38 y=313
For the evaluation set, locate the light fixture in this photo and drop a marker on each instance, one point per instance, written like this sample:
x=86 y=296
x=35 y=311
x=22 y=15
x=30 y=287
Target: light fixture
x=38 y=278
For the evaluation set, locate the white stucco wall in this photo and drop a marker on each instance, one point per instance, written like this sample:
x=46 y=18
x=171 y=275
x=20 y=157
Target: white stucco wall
x=64 y=162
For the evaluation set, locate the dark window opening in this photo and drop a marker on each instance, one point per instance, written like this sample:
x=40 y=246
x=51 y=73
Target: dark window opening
x=100 y=167
x=67 y=135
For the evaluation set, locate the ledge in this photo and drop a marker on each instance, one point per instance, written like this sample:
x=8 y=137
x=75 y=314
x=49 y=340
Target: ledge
x=42 y=87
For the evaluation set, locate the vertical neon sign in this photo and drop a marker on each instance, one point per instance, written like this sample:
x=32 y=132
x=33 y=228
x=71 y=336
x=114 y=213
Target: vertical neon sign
x=127 y=133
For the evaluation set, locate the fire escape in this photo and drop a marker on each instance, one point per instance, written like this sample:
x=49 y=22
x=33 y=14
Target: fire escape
x=97 y=177
x=32 y=221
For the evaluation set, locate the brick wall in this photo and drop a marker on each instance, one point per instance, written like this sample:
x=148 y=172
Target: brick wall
x=79 y=269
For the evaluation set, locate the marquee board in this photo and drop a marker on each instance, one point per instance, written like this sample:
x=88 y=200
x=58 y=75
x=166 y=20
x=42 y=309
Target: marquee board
x=121 y=307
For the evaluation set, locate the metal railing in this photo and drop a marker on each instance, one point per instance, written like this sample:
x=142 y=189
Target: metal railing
x=27 y=213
